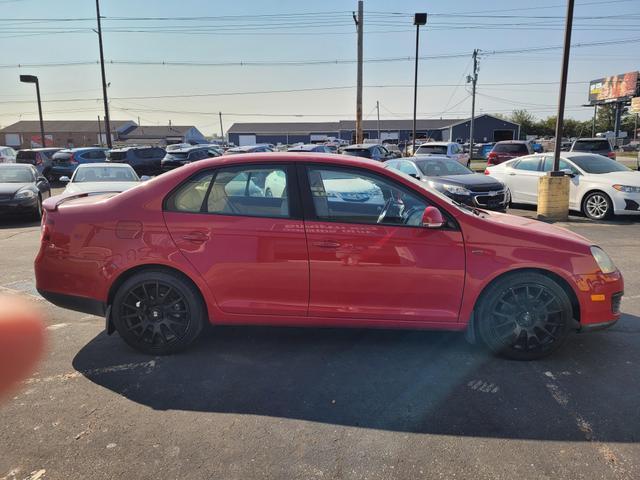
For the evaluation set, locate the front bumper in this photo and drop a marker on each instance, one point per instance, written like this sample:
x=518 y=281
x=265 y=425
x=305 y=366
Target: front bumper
x=17 y=207
x=600 y=297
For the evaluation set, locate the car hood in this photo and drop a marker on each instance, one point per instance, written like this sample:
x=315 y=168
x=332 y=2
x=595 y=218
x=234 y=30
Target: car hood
x=535 y=227
x=95 y=187
x=11 y=188
x=469 y=180
x=631 y=178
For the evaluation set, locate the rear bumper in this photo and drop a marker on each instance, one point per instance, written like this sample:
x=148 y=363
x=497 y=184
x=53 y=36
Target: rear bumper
x=72 y=302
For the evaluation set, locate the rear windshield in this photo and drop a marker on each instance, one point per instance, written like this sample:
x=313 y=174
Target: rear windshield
x=592 y=145
x=48 y=153
x=26 y=155
x=177 y=155
x=439 y=168
x=104 y=174
x=510 y=148
x=598 y=164
x=358 y=152
x=62 y=155
x=432 y=150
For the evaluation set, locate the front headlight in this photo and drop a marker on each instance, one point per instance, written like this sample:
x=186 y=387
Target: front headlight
x=24 y=194
x=455 y=189
x=603 y=260
x=627 y=188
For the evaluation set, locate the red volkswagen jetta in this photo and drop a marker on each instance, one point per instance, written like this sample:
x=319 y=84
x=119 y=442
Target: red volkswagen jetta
x=317 y=240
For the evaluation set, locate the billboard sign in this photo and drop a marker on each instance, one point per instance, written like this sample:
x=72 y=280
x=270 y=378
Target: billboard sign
x=635 y=105
x=36 y=141
x=613 y=89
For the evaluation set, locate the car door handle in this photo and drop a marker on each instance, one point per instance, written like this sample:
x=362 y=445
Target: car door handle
x=512 y=174
x=196 y=237
x=326 y=244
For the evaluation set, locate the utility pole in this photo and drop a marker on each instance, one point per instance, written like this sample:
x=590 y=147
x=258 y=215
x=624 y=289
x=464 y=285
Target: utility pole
x=221 y=129
x=360 y=28
x=99 y=131
x=418 y=19
x=378 y=109
x=107 y=123
x=474 y=80
x=595 y=115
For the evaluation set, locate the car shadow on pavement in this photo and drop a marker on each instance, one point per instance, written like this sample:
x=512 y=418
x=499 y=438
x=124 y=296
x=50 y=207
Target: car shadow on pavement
x=530 y=211
x=10 y=222
x=411 y=381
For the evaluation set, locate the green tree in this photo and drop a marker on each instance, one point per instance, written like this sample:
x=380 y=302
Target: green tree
x=526 y=120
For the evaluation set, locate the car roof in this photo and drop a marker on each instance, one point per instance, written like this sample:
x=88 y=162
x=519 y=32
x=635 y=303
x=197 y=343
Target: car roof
x=592 y=139
x=361 y=146
x=426 y=144
x=41 y=149
x=17 y=165
x=79 y=149
x=429 y=157
x=104 y=164
x=306 y=146
x=502 y=142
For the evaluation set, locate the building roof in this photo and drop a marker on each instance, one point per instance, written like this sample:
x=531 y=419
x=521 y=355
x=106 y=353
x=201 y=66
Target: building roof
x=158 y=131
x=57 y=126
x=421 y=124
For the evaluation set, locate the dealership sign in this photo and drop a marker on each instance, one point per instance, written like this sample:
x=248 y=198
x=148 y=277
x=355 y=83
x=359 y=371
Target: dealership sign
x=613 y=89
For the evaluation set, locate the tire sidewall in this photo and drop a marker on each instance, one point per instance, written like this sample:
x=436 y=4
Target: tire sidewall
x=191 y=296
x=491 y=296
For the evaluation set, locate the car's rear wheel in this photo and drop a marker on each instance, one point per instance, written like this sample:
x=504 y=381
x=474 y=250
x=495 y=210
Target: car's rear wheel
x=37 y=213
x=158 y=312
x=524 y=316
x=597 y=206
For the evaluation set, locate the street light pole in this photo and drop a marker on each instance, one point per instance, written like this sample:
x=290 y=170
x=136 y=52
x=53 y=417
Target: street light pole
x=107 y=123
x=474 y=81
x=378 y=109
x=360 y=30
x=418 y=19
x=34 y=79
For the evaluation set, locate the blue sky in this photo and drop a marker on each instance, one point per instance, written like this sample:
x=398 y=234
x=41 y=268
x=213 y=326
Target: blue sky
x=285 y=31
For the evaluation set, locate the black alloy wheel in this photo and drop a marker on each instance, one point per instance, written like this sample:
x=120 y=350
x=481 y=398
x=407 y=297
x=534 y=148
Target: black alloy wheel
x=524 y=316
x=158 y=312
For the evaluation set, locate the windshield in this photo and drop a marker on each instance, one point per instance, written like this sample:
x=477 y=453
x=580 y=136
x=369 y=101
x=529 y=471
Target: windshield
x=591 y=145
x=16 y=175
x=598 y=164
x=431 y=150
x=510 y=148
x=104 y=174
x=439 y=168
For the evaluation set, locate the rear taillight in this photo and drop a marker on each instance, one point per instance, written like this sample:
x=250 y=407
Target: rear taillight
x=491 y=158
x=611 y=155
x=46 y=227
x=72 y=158
x=487 y=172
x=38 y=159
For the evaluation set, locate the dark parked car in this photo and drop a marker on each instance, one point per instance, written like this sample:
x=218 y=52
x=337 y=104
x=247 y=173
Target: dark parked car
x=366 y=150
x=508 y=149
x=260 y=148
x=65 y=162
x=38 y=157
x=144 y=160
x=184 y=156
x=456 y=181
x=601 y=146
x=22 y=190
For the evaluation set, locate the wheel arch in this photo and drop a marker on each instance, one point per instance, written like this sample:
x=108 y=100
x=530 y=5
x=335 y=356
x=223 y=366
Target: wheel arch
x=471 y=332
x=589 y=192
x=125 y=275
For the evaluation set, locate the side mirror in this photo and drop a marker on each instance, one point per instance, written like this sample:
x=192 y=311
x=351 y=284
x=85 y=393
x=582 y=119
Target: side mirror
x=144 y=178
x=65 y=179
x=41 y=180
x=568 y=172
x=414 y=175
x=432 y=218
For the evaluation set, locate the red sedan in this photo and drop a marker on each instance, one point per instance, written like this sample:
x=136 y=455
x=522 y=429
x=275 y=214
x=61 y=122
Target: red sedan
x=320 y=241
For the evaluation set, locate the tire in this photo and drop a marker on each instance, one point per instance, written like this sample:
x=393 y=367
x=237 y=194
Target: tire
x=597 y=206
x=37 y=214
x=524 y=316
x=158 y=312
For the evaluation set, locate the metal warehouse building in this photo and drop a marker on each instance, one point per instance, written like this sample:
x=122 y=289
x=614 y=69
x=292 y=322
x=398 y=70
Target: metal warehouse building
x=487 y=129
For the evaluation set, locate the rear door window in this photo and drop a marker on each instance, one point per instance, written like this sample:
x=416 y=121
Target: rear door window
x=528 y=164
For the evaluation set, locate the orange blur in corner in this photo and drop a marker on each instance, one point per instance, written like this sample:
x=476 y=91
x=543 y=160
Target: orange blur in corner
x=22 y=340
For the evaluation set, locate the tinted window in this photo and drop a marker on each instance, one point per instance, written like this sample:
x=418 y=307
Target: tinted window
x=250 y=191
x=122 y=155
x=592 y=145
x=26 y=155
x=547 y=166
x=598 y=164
x=438 y=168
x=404 y=167
x=520 y=148
x=529 y=164
x=352 y=196
x=427 y=149
x=190 y=195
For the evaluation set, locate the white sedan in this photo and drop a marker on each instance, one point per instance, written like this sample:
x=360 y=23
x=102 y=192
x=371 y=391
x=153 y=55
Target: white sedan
x=600 y=187
x=447 y=149
x=101 y=177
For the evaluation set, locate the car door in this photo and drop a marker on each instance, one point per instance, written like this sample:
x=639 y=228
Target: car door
x=250 y=249
x=369 y=256
x=523 y=178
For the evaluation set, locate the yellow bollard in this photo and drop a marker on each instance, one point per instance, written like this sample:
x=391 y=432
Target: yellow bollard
x=553 y=198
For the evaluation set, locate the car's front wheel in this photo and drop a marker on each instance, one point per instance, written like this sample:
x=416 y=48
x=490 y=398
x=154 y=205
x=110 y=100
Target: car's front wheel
x=158 y=312
x=597 y=206
x=524 y=316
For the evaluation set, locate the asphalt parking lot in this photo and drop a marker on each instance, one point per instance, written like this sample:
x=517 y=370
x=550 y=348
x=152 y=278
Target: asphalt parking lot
x=252 y=403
